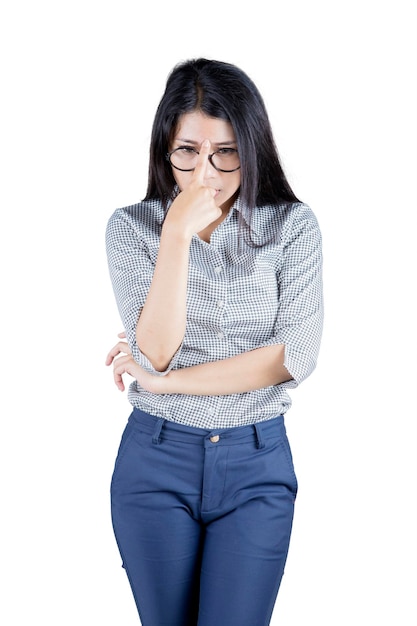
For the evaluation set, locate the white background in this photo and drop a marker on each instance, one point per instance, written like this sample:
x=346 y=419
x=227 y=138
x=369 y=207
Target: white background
x=80 y=83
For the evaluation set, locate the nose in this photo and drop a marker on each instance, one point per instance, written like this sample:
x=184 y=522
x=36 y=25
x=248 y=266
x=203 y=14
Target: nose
x=211 y=171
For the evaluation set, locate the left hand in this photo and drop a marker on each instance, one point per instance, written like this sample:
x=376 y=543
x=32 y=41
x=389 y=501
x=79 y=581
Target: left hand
x=126 y=364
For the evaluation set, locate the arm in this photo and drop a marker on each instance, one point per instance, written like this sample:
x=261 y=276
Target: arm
x=161 y=325
x=299 y=321
x=238 y=374
x=248 y=371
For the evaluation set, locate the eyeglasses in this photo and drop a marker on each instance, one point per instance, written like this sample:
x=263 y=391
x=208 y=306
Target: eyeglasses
x=185 y=159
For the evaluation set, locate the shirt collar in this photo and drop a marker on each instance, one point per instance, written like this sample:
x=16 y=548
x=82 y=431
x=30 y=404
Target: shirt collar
x=250 y=219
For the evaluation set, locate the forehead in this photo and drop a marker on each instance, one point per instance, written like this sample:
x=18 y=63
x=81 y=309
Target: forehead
x=195 y=127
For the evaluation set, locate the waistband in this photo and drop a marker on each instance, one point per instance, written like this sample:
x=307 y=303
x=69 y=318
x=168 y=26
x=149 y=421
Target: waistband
x=163 y=429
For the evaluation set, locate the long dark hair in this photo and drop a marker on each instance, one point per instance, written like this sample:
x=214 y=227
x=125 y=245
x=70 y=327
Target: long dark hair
x=219 y=90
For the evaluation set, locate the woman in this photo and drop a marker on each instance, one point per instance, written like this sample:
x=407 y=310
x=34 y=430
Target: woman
x=217 y=276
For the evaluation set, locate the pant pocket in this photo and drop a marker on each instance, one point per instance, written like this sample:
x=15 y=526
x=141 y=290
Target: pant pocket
x=124 y=443
x=290 y=463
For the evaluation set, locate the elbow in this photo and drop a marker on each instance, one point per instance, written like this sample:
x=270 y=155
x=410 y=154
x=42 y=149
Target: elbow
x=158 y=359
x=155 y=353
x=159 y=363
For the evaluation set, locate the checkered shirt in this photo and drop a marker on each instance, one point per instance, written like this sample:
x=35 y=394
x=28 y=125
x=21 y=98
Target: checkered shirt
x=239 y=298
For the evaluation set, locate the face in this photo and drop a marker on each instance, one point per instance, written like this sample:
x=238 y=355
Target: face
x=193 y=128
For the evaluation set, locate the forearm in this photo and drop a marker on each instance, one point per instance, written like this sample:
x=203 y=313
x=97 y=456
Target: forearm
x=161 y=325
x=245 y=372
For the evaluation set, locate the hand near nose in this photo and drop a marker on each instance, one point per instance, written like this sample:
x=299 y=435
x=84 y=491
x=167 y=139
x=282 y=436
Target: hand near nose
x=195 y=207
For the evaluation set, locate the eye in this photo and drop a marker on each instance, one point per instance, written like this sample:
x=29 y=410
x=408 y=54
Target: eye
x=226 y=151
x=186 y=150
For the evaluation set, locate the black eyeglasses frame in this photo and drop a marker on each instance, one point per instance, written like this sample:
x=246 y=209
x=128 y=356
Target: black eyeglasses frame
x=210 y=158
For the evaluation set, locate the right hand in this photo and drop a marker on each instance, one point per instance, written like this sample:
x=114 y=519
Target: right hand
x=195 y=207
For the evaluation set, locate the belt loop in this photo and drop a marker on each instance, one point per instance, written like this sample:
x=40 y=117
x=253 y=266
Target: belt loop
x=157 y=432
x=259 y=439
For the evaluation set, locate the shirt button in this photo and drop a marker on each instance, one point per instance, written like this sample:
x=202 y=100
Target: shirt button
x=220 y=335
x=220 y=304
x=217 y=270
x=214 y=438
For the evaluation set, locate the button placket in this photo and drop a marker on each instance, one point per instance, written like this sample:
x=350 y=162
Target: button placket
x=219 y=304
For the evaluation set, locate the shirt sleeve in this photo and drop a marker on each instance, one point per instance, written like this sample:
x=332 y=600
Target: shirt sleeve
x=299 y=321
x=131 y=268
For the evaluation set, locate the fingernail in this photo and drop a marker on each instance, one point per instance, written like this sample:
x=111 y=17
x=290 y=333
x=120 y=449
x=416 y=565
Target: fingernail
x=206 y=143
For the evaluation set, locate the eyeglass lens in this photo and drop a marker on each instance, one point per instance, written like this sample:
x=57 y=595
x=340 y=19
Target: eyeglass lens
x=226 y=159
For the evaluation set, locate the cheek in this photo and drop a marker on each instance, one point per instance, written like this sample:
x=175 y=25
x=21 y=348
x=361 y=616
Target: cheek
x=177 y=178
x=235 y=182
x=181 y=178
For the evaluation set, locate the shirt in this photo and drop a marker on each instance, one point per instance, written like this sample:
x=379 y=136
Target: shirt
x=239 y=298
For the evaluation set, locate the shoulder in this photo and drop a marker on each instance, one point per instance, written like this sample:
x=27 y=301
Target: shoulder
x=302 y=219
x=144 y=219
x=146 y=212
x=284 y=221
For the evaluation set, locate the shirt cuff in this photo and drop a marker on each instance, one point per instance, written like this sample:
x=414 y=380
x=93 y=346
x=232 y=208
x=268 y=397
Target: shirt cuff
x=299 y=364
x=145 y=363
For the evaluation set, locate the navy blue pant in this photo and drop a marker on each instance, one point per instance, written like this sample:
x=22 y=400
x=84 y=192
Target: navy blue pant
x=203 y=520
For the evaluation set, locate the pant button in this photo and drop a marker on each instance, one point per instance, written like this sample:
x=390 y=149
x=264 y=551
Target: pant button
x=214 y=438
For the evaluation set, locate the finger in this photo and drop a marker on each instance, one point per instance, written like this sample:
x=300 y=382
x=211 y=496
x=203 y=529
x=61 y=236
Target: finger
x=117 y=377
x=120 y=347
x=119 y=381
x=121 y=367
x=199 y=173
x=112 y=355
x=122 y=335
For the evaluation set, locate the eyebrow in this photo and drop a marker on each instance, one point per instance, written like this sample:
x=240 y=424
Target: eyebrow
x=230 y=142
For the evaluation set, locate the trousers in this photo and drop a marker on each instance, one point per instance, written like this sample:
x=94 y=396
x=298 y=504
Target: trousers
x=203 y=519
